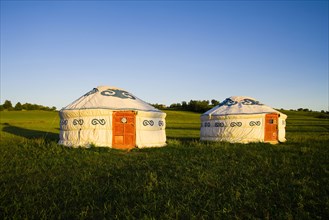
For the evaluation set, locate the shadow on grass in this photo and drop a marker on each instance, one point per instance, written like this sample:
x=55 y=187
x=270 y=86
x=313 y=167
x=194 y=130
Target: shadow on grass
x=29 y=133
x=183 y=139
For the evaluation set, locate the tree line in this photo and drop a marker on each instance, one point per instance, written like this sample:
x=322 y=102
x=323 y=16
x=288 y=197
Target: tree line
x=199 y=106
x=7 y=105
x=192 y=105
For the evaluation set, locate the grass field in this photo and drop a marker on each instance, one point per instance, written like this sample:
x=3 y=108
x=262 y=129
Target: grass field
x=187 y=179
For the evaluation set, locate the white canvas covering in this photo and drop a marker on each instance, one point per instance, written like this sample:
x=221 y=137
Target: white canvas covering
x=240 y=119
x=88 y=120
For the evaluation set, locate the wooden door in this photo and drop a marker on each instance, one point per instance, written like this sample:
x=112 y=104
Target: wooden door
x=271 y=128
x=124 y=130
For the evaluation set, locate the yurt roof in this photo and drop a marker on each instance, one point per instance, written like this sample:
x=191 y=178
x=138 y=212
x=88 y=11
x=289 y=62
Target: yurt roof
x=236 y=105
x=107 y=97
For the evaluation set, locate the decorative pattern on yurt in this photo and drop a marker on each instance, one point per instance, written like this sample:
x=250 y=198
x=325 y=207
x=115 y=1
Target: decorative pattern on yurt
x=111 y=117
x=240 y=119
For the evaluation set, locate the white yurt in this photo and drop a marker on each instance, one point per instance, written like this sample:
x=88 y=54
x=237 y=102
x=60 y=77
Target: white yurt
x=111 y=117
x=240 y=119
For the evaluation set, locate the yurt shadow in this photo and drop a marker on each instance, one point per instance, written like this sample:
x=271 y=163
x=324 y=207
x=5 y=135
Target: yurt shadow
x=183 y=139
x=29 y=133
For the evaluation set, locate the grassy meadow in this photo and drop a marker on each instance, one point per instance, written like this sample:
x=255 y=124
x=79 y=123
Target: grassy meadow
x=187 y=179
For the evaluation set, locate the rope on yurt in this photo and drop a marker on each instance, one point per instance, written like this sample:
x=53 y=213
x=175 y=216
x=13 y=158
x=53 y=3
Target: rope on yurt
x=79 y=100
x=89 y=97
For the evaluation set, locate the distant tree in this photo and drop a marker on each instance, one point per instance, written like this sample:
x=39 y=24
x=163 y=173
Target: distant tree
x=7 y=105
x=214 y=102
x=195 y=105
x=176 y=106
x=184 y=105
x=158 y=106
x=198 y=106
x=18 y=106
x=26 y=106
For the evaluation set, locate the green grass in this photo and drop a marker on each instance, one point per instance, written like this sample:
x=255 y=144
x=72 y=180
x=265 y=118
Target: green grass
x=188 y=179
x=183 y=125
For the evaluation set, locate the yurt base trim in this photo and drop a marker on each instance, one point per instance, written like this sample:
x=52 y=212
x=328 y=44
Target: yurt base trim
x=90 y=145
x=214 y=139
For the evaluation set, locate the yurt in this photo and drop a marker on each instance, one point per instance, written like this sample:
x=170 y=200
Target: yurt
x=241 y=119
x=111 y=117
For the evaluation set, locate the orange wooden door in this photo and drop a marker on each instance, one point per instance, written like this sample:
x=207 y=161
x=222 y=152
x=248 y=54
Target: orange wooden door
x=271 y=128
x=124 y=130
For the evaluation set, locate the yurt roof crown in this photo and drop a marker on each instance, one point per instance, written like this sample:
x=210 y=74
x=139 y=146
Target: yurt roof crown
x=236 y=105
x=107 y=97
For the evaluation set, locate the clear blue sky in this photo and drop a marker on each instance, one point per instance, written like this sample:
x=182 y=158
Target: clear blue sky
x=166 y=52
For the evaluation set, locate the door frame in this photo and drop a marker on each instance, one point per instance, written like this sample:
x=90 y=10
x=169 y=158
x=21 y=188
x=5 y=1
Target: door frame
x=271 y=128
x=125 y=135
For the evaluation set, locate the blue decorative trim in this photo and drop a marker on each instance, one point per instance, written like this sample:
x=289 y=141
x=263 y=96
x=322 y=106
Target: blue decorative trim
x=207 y=124
x=96 y=121
x=118 y=93
x=219 y=124
x=230 y=102
x=233 y=124
x=254 y=123
x=250 y=102
x=146 y=122
x=227 y=102
x=64 y=122
x=94 y=90
x=78 y=121
x=241 y=113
